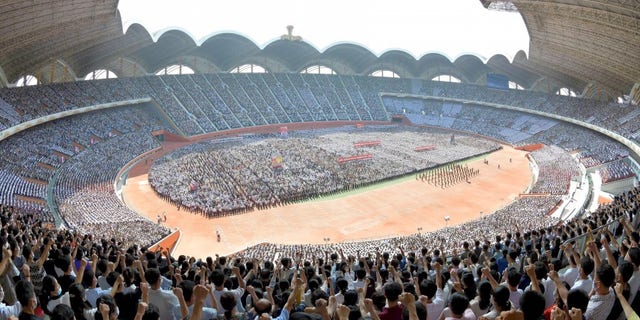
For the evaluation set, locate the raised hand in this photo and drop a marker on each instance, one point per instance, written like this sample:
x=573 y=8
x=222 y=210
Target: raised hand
x=557 y=314
x=575 y=314
x=142 y=308
x=343 y=312
x=200 y=292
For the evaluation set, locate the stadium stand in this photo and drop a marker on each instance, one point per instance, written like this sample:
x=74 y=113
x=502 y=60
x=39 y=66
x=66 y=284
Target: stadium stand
x=519 y=260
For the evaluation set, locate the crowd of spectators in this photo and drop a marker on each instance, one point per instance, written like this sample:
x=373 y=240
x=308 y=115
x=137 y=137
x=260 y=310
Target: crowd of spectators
x=215 y=178
x=556 y=168
x=592 y=149
x=206 y=103
x=108 y=273
x=498 y=265
x=37 y=153
x=617 y=170
x=86 y=197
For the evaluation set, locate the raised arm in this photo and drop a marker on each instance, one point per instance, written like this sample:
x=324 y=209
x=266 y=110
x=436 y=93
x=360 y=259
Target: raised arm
x=241 y=282
x=439 y=283
x=94 y=262
x=200 y=292
x=487 y=274
x=184 y=309
x=6 y=259
x=368 y=303
x=562 y=290
x=628 y=310
x=593 y=250
x=117 y=286
x=409 y=301
x=296 y=293
x=610 y=258
x=80 y=273
x=531 y=272
x=45 y=254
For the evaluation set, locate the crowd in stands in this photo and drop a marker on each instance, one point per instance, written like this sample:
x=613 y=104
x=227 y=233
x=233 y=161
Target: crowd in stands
x=556 y=168
x=206 y=103
x=218 y=178
x=508 y=265
x=35 y=154
x=86 y=196
x=592 y=149
x=108 y=273
x=615 y=171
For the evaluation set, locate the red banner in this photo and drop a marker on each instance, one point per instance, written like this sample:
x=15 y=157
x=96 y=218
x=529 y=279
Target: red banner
x=424 y=148
x=366 y=144
x=355 y=158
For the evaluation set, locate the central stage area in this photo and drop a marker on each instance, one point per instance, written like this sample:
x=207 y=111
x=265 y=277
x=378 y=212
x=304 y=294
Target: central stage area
x=381 y=211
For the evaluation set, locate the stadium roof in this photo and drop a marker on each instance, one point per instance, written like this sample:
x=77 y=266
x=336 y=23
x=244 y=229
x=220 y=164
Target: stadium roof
x=586 y=45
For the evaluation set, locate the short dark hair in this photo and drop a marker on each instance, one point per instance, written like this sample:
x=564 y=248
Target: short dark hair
x=378 y=300
x=513 y=277
x=217 y=277
x=24 y=292
x=459 y=303
x=87 y=278
x=152 y=313
x=606 y=274
x=317 y=295
x=634 y=255
x=63 y=262
x=392 y=291
x=532 y=304
x=587 y=265
x=577 y=298
x=187 y=287
x=152 y=275
x=350 y=298
x=421 y=310
x=626 y=270
x=62 y=312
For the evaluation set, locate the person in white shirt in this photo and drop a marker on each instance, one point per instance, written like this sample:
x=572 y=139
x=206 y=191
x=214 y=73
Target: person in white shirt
x=500 y=302
x=167 y=302
x=513 y=280
x=633 y=256
x=571 y=273
x=434 y=301
x=217 y=278
x=187 y=291
x=584 y=281
x=482 y=302
x=602 y=300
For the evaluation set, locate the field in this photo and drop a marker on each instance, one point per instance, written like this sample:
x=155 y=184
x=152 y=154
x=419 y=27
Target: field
x=393 y=208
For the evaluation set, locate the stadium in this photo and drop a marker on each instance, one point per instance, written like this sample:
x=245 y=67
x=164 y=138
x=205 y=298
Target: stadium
x=124 y=146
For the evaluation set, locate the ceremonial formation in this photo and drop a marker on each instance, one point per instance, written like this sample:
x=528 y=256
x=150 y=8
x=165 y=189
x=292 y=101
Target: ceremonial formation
x=217 y=179
x=448 y=175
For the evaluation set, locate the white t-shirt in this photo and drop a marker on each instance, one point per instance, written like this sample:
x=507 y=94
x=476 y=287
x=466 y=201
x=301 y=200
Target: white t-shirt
x=437 y=304
x=585 y=285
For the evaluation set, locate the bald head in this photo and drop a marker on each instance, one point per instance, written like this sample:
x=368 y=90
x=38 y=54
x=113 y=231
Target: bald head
x=263 y=306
